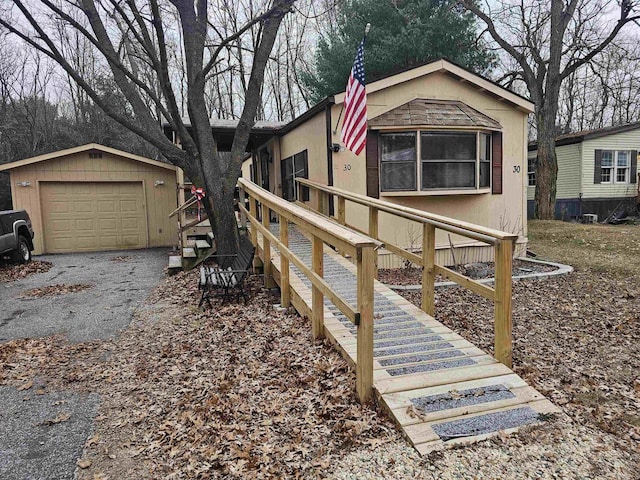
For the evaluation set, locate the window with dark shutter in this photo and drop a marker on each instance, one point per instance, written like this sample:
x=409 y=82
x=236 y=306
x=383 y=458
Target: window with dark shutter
x=634 y=166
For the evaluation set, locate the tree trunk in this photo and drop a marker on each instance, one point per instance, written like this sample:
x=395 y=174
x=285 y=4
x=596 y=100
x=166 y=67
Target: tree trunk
x=219 y=206
x=546 y=168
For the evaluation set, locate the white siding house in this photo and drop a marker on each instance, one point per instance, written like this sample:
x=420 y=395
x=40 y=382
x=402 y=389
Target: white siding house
x=597 y=172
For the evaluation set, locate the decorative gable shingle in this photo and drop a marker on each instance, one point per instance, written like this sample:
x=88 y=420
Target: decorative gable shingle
x=434 y=113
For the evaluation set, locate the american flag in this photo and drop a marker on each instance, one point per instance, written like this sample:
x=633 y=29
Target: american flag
x=354 y=127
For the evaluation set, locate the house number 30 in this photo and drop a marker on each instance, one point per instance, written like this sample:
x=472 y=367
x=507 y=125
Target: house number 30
x=516 y=169
x=347 y=167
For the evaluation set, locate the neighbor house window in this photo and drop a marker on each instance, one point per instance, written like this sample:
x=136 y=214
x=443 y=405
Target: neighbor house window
x=607 y=166
x=448 y=160
x=622 y=166
x=531 y=171
x=615 y=166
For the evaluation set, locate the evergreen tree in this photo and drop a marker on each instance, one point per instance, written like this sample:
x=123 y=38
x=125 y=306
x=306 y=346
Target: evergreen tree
x=404 y=33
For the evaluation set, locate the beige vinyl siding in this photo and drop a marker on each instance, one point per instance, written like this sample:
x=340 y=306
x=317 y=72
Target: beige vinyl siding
x=505 y=212
x=160 y=200
x=309 y=136
x=620 y=141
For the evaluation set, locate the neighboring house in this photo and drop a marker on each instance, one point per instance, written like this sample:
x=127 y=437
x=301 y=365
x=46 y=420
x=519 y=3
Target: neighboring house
x=597 y=172
x=441 y=139
x=93 y=198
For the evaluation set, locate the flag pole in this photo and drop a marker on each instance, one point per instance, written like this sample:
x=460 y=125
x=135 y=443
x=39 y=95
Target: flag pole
x=366 y=32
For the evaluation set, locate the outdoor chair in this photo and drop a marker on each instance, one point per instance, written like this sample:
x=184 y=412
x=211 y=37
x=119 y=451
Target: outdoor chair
x=228 y=278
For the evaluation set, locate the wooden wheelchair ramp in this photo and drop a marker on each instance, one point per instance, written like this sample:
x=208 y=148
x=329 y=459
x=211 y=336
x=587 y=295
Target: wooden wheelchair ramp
x=439 y=388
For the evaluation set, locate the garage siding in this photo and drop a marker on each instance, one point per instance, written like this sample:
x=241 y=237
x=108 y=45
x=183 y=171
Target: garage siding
x=159 y=200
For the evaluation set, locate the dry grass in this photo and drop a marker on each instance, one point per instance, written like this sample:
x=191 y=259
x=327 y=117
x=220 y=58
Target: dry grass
x=612 y=249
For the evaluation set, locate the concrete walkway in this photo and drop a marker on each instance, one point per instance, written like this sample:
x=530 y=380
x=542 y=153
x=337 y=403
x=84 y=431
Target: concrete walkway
x=438 y=387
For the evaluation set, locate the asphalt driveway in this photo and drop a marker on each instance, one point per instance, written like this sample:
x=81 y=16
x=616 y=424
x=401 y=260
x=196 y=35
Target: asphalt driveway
x=99 y=312
x=32 y=446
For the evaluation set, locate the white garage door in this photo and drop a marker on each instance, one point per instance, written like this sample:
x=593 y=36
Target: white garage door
x=88 y=216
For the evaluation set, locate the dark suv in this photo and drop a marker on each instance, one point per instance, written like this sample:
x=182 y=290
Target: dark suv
x=16 y=235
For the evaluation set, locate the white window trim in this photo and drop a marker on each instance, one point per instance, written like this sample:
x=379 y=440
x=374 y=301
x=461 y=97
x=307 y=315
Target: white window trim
x=613 y=169
x=531 y=174
x=419 y=191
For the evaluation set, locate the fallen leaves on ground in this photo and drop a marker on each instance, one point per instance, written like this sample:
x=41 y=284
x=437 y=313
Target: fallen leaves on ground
x=244 y=392
x=576 y=337
x=236 y=391
x=120 y=258
x=59 y=289
x=413 y=275
x=61 y=417
x=9 y=273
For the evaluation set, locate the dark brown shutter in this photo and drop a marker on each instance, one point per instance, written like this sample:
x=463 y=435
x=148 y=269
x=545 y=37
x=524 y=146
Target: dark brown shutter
x=496 y=163
x=597 y=171
x=634 y=166
x=373 y=173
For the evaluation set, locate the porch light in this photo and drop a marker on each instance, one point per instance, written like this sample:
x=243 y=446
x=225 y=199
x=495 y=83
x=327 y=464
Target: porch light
x=24 y=184
x=158 y=182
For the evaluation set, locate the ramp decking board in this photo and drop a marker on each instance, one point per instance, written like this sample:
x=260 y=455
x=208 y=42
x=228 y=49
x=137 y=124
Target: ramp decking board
x=439 y=388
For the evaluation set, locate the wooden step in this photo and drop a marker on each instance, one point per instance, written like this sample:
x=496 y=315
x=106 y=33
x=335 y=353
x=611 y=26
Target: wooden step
x=189 y=253
x=210 y=237
x=202 y=245
x=175 y=262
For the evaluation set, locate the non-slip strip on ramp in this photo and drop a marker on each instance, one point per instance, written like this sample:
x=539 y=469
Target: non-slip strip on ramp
x=438 y=387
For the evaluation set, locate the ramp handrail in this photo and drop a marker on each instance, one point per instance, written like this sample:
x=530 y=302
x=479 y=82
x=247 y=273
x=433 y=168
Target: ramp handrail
x=503 y=243
x=321 y=231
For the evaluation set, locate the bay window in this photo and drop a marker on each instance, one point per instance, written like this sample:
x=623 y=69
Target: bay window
x=448 y=160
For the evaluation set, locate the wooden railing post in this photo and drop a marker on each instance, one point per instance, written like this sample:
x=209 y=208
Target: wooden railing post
x=322 y=201
x=253 y=211
x=502 y=303
x=342 y=218
x=299 y=197
x=364 y=356
x=373 y=233
x=317 y=299
x=285 y=292
x=241 y=200
x=428 y=269
x=266 y=249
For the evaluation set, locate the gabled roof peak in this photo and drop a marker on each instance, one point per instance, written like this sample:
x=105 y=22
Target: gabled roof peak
x=84 y=148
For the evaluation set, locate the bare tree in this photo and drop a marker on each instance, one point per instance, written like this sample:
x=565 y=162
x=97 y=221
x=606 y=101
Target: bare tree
x=550 y=42
x=151 y=26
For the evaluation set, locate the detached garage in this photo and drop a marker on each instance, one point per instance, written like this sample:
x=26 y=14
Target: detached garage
x=93 y=198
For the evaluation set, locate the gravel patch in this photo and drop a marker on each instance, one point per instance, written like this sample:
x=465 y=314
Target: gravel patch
x=429 y=367
x=483 y=424
x=385 y=362
x=463 y=398
x=43 y=434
